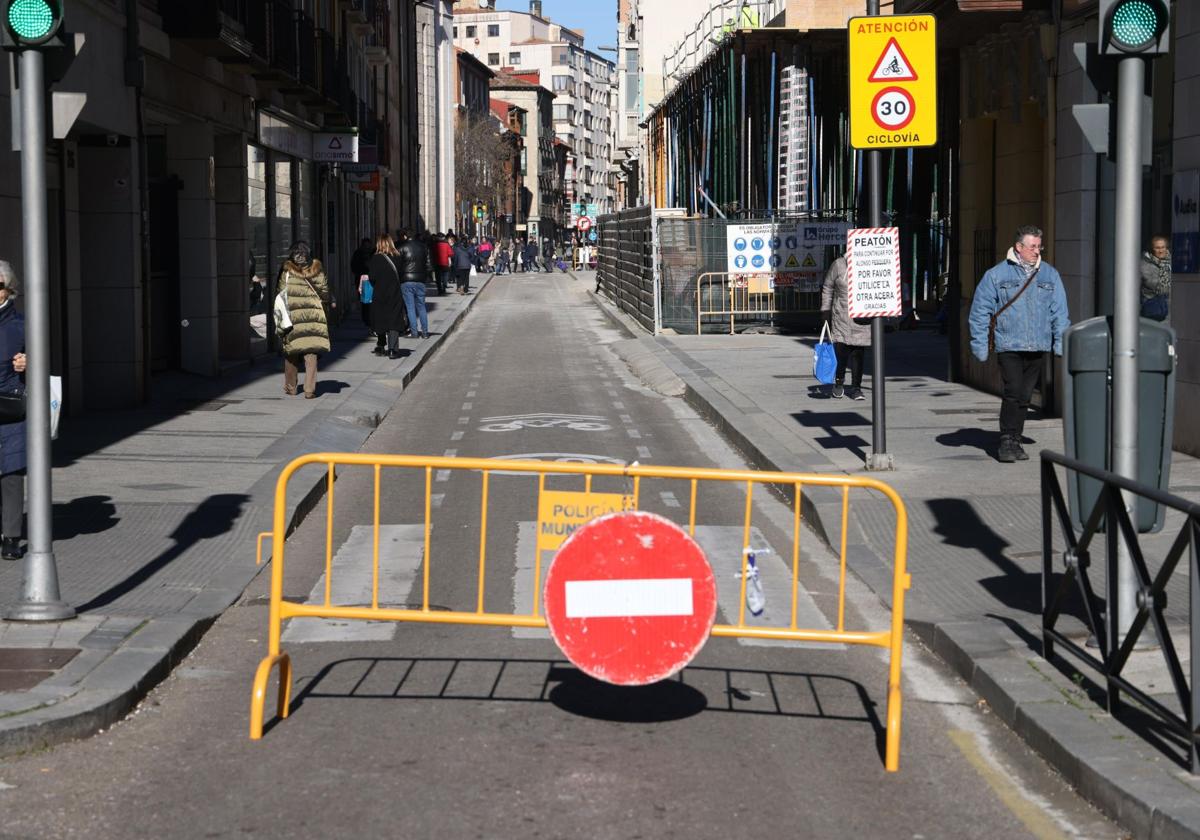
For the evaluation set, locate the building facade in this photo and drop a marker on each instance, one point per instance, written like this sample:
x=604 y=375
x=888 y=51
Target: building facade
x=542 y=209
x=214 y=136
x=581 y=80
x=435 y=113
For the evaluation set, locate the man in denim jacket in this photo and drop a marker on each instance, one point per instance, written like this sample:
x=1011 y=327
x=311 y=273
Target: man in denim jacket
x=1032 y=325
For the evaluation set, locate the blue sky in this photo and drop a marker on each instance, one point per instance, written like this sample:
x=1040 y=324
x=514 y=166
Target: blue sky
x=597 y=18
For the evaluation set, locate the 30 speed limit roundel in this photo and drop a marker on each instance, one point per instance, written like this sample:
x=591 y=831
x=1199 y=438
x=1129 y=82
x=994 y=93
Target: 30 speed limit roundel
x=893 y=108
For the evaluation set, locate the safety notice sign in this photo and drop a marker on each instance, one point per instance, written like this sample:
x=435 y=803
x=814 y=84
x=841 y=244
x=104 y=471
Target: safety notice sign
x=873 y=272
x=893 y=81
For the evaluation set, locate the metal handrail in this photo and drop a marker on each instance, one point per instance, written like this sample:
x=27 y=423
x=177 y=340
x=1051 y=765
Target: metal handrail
x=697 y=44
x=1110 y=516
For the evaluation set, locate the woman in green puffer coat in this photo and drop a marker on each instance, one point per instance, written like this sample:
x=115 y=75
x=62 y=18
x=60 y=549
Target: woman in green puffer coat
x=303 y=278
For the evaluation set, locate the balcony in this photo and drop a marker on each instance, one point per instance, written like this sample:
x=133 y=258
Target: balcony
x=306 y=52
x=282 y=20
x=360 y=16
x=327 y=65
x=218 y=28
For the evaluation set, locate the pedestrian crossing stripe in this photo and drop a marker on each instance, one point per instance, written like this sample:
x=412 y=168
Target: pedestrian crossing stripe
x=792 y=262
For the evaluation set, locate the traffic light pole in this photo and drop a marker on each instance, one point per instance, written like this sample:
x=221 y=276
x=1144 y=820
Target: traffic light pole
x=1131 y=75
x=40 y=599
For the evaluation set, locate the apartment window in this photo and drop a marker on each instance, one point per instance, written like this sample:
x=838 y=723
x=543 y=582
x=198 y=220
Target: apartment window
x=524 y=170
x=455 y=29
x=493 y=30
x=560 y=55
x=563 y=112
x=514 y=59
x=471 y=31
x=562 y=83
x=494 y=59
x=631 y=61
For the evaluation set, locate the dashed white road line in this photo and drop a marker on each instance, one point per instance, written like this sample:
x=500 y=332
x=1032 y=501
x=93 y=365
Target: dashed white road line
x=633 y=433
x=669 y=499
x=643 y=451
x=456 y=435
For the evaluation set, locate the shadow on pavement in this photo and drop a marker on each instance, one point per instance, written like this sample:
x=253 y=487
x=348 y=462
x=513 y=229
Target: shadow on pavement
x=788 y=694
x=85 y=515
x=214 y=517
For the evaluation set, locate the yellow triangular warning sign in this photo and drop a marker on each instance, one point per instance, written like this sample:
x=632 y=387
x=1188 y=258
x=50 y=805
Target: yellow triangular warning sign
x=792 y=262
x=893 y=65
x=809 y=262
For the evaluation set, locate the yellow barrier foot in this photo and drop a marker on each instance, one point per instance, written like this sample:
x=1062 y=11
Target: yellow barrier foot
x=258 y=697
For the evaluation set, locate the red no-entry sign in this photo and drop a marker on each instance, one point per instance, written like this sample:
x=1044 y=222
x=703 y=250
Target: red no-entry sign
x=630 y=598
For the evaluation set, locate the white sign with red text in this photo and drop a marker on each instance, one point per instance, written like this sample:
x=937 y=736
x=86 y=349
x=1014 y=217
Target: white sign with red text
x=873 y=272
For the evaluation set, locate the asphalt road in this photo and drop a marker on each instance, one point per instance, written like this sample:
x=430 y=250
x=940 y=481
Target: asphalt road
x=459 y=732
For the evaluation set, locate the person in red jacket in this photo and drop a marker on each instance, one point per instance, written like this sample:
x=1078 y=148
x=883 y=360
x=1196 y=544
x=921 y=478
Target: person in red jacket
x=442 y=254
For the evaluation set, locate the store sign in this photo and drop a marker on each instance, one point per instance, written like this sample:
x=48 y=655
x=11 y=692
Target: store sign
x=283 y=136
x=340 y=147
x=1185 y=222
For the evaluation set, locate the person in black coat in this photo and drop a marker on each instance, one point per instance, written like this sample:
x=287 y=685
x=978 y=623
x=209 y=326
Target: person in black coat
x=387 y=303
x=461 y=262
x=12 y=435
x=415 y=264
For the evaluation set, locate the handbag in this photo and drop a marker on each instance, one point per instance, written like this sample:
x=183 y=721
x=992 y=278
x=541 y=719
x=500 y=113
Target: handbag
x=12 y=407
x=1155 y=308
x=283 y=318
x=1000 y=311
x=824 y=358
x=368 y=291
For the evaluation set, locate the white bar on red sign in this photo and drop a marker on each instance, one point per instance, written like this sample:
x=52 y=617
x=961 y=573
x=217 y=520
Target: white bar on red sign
x=630 y=598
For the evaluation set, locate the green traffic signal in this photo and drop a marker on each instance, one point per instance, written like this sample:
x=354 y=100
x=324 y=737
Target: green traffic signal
x=32 y=22
x=1135 y=23
x=1134 y=26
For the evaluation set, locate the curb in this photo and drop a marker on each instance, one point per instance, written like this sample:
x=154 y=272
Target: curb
x=1141 y=789
x=115 y=684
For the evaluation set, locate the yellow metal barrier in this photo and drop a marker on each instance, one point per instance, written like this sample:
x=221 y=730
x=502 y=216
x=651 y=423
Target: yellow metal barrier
x=719 y=293
x=891 y=638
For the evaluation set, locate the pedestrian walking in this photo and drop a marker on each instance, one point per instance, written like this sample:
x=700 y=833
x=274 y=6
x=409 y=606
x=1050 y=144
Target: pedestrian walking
x=1020 y=314
x=850 y=338
x=12 y=435
x=358 y=270
x=502 y=260
x=1156 y=280
x=416 y=267
x=485 y=254
x=388 y=315
x=442 y=255
x=462 y=267
x=303 y=281
x=547 y=255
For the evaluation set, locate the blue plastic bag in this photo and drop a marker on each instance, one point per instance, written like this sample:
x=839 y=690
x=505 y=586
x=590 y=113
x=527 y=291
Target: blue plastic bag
x=824 y=358
x=368 y=292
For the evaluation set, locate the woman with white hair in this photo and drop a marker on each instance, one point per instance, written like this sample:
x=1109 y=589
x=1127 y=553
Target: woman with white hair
x=12 y=435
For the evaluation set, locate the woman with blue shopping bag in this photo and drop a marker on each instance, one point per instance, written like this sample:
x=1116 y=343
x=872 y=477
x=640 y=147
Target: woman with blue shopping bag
x=850 y=338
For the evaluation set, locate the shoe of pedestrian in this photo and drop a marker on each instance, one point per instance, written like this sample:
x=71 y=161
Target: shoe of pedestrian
x=393 y=354
x=1019 y=450
x=290 y=390
x=10 y=548
x=378 y=351
x=837 y=392
x=310 y=395
x=1007 y=453
x=855 y=394
x=422 y=335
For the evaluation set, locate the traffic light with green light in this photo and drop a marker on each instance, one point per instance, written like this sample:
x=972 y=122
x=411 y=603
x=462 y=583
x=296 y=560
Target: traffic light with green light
x=1134 y=27
x=30 y=23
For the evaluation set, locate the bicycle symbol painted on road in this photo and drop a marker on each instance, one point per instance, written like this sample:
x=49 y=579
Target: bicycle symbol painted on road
x=575 y=422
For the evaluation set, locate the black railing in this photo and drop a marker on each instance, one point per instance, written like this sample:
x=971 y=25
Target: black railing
x=1102 y=616
x=306 y=52
x=327 y=64
x=283 y=36
x=258 y=27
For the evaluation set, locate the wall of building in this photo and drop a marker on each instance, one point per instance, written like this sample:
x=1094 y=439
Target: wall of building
x=1185 y=291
